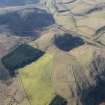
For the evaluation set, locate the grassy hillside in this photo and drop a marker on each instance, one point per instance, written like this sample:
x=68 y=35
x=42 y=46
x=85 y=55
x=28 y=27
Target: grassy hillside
x=36 y=79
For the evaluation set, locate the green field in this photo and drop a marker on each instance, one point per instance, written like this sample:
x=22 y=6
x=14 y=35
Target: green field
x=36 y=79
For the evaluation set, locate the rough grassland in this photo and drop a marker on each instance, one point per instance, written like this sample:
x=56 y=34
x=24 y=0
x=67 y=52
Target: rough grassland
x=36 y=79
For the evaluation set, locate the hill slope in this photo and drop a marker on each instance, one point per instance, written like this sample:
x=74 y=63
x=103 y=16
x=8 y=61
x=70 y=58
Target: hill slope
x=36 y=79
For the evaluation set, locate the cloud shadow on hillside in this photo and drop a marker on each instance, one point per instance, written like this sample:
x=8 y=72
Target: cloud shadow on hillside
x=58 y=100
x=26 y=22
x=95 y=95
x=67 y=42
x=20 y=57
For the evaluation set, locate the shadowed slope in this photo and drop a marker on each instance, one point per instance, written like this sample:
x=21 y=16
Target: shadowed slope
x=67 y=42
x=95 y=95
x=21 y=56
x=25 y=22
x=58 y=100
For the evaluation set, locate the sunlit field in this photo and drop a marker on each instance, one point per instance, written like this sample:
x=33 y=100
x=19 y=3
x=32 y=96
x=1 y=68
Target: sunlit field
x=36 y=79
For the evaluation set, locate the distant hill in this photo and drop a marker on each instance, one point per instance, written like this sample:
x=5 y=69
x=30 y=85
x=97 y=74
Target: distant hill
x=17 y=2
